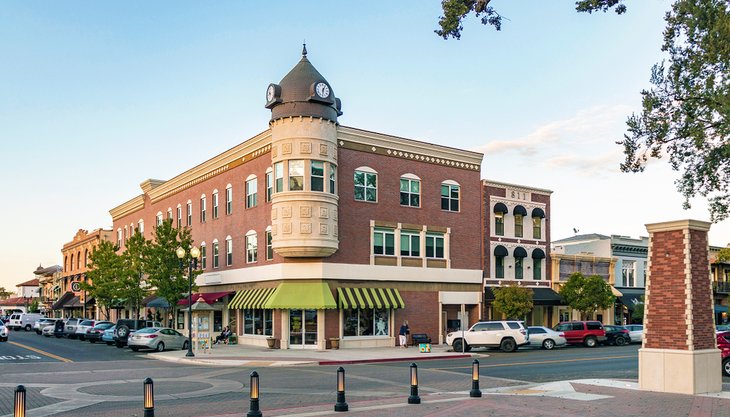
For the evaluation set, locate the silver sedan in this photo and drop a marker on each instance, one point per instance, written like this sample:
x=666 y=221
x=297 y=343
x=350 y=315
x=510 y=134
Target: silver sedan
x=545 y=337
x=157 y=338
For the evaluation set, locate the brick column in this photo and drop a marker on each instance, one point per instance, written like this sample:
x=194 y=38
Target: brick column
x=679 y=352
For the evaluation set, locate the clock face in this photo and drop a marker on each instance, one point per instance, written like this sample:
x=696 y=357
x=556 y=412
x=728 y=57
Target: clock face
x=322 y=90
x=270 y=93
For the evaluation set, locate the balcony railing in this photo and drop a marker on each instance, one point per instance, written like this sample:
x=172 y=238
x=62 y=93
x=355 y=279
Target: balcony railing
x=721 y=287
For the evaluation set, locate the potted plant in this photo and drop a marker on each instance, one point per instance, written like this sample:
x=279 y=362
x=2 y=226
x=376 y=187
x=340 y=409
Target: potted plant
x=335 y=342
x=271 y=342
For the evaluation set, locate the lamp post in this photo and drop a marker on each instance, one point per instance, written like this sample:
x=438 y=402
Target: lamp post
x=192 y=264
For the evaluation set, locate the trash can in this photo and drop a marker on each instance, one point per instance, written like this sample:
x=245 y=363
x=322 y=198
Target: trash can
x=424 y=347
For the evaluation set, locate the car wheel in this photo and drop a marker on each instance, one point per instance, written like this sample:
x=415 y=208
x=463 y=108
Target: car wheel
x=620 y=341
x=134 y=348
x=725 y=366
x=27 y=327
x=458 y=345
x=590 y=342
x=548 y=344
x=185 y=345
x=160 y=347
x=508 y=345
x=92 y=341
x=122 y=331
x=82 y=338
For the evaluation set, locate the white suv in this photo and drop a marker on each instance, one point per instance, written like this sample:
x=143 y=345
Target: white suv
x=507 y=335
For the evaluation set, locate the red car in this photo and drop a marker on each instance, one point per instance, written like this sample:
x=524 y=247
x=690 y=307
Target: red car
x=723 y=343
x=588 y=333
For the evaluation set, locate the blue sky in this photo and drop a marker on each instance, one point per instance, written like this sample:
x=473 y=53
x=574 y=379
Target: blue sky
x=98 y=96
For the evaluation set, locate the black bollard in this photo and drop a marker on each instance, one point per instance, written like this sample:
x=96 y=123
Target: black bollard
x=19 y=407
x=475 y=392
x=341 y=405
x=149 y=398
x=414 y=398
x=253 y=409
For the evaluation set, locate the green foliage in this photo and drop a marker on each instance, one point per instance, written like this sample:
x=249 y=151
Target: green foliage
x=162 y=264
x=723 y=255
x=131 y=283
x=105 y=266
x=587 y=294
x=455 y=11
x=638 y=313
x=4 y=293
x=685 y=114
x=33 y=306
x=515 y=302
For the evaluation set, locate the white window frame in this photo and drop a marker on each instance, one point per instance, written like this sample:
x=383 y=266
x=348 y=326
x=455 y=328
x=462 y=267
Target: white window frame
x=216 y=252
x=158 y=217
x=179 y=216
x=269 y=244
x=628 y=272
x=189 y=213
x=251 y=191
x=383 y=232
x=448 y=198
x=312 y=177
x=269 y=184
x=229 y=251
x=203 y=208
x=414 y=252
x=251 y=247
x=294 y=168
x=435 y=237
x=278 y=177
x=365 y=171
x=229 y=199
x=410 y=179
x=203 y=256
x=215 y=204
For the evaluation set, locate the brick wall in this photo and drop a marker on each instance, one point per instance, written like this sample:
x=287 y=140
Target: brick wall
x=703 y=329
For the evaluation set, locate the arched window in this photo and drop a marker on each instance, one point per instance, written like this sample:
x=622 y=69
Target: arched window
x=366 y=184
x=179 y=216
x=78 y=260
x=140 y=226
x=520 y=254
x=86 y=258
x=215 y=204
x=169 y=214
x=251 y=191
x=269 y=246
x=229 y=199
x=269 y=183
x=410 y=190
x=158 y=218
x=229 y=251
x=203 y=208
x=450 y=195
x=537 y=215
x=203 y=256
x=65 y=263
x=251 y=246
x=537 y=256
x=500 y=209
x=519 y=214
x=215 y=254
x=190 y=213
x=500 y=252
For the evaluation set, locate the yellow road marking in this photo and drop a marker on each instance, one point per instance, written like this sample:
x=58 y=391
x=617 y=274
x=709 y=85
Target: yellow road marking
x=557 y=361
x=42 y=352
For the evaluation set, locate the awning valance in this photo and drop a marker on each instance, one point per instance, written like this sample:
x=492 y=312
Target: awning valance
x=538 y=253
x=500 y=208
x=500 y=251
x=208 y=297
x=158 y=302
x=65 y=298
x=369 y=298
x=251 y=299
x=519 y=210
x=538 y=212
x=304 y=295
x=75 y=302
x=720 y=309
x=546 y=297
x=520 y=252
x=630 y=296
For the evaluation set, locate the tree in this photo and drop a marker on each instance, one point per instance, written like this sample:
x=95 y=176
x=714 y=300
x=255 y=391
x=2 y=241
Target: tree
x=722 y=256
x=455 y=11
x=515 y=302
x=105 y=266
x=131 y=283
x=587 y=294
x=685 y=115
x=33 y=307
x=637 y=315
x=4 y=293
x=162 y=264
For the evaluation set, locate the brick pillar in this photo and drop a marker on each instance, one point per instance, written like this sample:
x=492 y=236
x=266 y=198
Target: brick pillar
x=679 y=352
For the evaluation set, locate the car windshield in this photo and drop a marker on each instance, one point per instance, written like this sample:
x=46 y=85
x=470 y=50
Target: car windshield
x=87 y=323
x=103 y=326
x=148 y=330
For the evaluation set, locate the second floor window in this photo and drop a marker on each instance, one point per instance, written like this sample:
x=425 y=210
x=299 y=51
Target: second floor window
x=296 y=175
x=384 y=242
x=269 y=246
x=179 y=217
x=499 y=224
x=203 y=256
x=333 y=179
x=628 y=272
x=499 y=266
x=215 y=255
x=366 y=186
x=251 y=247
x=159 y=219
x=229 y=200
x=203 y=209
x=536 y=269
x=518 y=225
x=215 y=205
x=410 y=192
x=251 y=193
x=536 y=228
x=450 y=197
x=190 y=214
x=519 y=268
x=434 y=246
x=229 y=252
x=279 y=177
x=269 y=185
x=410 y=243
x=317 y=176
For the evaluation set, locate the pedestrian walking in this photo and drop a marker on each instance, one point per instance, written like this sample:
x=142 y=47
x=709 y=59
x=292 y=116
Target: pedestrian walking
x=403 y=334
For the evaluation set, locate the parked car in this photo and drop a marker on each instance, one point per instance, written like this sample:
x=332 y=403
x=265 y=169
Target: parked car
x=588 y=333
x=636 y=331
x=69 y=328
x=506 y=335
x=24 y=321
x=721 y=328
x=158 y=339
x=94 y=334
x=108 y=335
x=48 y=331
x=723 y=343
x=616 y=335
x=127 y=327
x=40 y=324
x=85 y=325
x=545 y=337
x=58 y=328
x=3 y=332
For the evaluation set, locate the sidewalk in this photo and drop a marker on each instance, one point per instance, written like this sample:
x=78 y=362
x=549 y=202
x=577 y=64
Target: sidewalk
x=242 y=355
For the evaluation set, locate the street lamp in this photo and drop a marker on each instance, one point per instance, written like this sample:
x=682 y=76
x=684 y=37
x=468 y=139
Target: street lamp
x=192 y=264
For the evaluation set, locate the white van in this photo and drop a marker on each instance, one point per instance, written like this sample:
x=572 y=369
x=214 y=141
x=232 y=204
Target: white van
x=24 y=321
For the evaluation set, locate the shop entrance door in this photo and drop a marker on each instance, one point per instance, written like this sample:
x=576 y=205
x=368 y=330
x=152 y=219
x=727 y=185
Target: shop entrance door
x=302 y=329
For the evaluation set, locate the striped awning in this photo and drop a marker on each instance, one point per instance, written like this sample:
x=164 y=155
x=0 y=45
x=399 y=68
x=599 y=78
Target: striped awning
x=255 y=298
x=369 y=298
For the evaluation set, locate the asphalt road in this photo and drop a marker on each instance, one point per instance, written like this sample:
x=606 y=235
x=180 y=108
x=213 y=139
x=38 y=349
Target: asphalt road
x=74 y=378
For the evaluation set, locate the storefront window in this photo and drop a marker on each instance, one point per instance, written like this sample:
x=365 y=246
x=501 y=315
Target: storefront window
x=366 y=322
x=257 y=322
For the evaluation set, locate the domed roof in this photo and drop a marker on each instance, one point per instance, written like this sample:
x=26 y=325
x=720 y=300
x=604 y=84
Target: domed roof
x=301 y=93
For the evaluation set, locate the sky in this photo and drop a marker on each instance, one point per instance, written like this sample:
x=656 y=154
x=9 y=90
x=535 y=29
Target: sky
x=96 y=97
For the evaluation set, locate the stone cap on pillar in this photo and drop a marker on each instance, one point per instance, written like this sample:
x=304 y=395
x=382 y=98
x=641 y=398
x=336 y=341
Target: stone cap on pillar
x=678 y=225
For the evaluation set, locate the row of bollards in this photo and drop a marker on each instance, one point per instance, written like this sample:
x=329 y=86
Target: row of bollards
x=254 y=410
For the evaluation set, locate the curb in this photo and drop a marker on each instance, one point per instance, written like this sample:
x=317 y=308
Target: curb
x=411 y=358
x=283 y=363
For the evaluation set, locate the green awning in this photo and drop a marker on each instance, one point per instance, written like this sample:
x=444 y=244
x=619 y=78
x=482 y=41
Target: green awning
x=248 y=299
x=304 y=295
x=369 y=298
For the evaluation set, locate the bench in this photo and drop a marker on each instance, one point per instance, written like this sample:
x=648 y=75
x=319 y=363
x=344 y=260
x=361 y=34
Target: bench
x=233 y=339
x=418 y=338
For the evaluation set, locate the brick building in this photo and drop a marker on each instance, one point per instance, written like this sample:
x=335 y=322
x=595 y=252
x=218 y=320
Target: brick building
x=49 y=290
x=517 y=235
x=71 y=300
x=311 y=230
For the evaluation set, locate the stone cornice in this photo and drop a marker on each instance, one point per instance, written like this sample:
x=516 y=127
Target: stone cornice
x=135 y=204
x=678 y=225
x=517 y=187
x=379 y=143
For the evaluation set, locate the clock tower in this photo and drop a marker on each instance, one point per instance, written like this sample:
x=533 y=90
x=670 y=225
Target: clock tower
x=304 y=209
